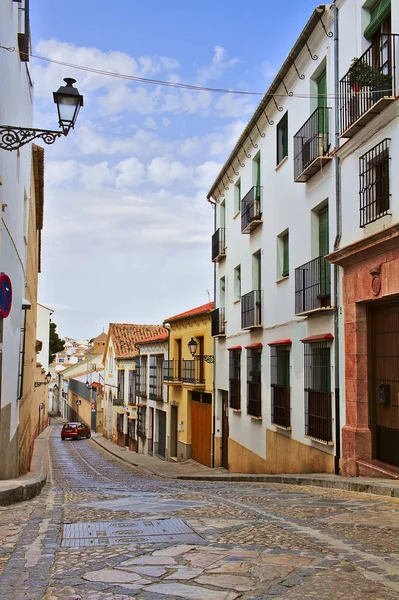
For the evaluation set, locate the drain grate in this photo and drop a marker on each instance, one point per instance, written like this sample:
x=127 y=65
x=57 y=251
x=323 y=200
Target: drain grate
x=127 y=532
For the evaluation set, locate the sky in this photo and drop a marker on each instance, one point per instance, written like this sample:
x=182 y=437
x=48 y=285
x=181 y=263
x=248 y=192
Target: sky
x=127 y=228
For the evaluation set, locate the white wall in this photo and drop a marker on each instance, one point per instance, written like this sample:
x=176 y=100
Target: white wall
x=43 y=334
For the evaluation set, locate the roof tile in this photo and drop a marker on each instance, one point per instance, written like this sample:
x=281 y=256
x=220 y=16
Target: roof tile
x=199 y=310
x=125 y=337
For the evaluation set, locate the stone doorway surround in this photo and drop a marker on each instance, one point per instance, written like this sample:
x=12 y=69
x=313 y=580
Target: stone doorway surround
x=370 y=274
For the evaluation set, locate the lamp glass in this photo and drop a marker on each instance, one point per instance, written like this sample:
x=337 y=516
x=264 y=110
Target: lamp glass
x=192 y=346
x=68 y=101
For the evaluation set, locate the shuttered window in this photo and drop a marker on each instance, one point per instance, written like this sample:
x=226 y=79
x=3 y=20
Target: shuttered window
x=379 y=13
x=286 y=256
x=282 y=138
x=323 y=232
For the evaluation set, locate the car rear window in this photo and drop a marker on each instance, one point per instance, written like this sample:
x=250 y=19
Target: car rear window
x=69 y=426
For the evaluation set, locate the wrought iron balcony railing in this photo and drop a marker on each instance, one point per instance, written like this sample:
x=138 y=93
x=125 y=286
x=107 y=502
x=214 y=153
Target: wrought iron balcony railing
x=311 y=145
x=281 y=409
x=193 y=372
x=370 y=84
x=313 y=286
x=218 y=322
x=251 y=310
x=219 y=244
x=318 y=417
x=251 y=209
x=172 y=371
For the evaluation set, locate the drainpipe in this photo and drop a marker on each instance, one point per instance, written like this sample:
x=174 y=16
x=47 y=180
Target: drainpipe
x=338 y=214
x=213 y=204
x=167 y=453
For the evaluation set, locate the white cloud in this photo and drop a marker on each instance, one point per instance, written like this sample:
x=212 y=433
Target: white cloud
x=220 y=63
x=230 y=105
x=130 y=173
x=150 y=123
x=206 y=173
x=165 y=172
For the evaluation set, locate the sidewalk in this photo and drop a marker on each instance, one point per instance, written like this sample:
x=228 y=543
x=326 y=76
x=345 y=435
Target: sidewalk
x=193 y=471
x=29 y=485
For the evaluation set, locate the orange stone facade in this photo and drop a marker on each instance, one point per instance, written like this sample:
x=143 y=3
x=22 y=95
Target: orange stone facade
x=371 y=275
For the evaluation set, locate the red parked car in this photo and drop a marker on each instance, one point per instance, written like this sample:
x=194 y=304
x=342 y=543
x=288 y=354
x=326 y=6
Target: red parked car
x=75 y=431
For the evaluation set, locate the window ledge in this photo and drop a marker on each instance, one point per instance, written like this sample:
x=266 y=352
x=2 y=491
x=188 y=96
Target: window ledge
x=282 y=427
x=236 y=410
x=256 y=418
x=236 y=215
x=281 y=163
x=283 y=278
x=309 y=437
x=236 y=301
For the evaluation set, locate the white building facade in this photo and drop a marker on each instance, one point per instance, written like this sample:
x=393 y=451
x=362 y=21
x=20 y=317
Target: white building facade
x=275 y=221
x=152 y=395
x=15 y=172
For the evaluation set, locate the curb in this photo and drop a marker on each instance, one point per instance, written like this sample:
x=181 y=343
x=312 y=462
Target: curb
x=30 y=485
x=379 y=489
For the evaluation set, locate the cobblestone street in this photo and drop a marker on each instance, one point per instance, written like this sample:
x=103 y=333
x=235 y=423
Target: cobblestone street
x=103 y=530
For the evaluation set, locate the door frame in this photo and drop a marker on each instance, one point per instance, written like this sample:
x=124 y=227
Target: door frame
x=225 y=428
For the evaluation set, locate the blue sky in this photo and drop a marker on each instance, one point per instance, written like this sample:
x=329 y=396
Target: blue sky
x=127 y=227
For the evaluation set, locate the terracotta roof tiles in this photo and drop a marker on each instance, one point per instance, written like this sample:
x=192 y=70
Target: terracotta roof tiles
x=125 y=337
x=199 y=310
x=162 y=337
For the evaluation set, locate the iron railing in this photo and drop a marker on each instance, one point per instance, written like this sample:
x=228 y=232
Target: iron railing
x=254 y=400
x=131 y=399
x=235 y=394
x=317 y=373
x=313 y=286
x=251 y=209
x=218 y=321
x=374 y=183
x=219 y=244
x=172 y=370
x=371 y=78
x=251 y=309
x=281 y=408
x=311 y=142
x=155 y=392
x=193 y=372
x=318 y=416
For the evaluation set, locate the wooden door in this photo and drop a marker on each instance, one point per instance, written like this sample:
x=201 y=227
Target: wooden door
x=201 y=428
x=384 y=382
x=131 y=429
x=173 y=431
x=161 y=433
x=225 y=430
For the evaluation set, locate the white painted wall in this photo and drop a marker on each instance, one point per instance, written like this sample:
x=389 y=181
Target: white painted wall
x=15 y=109
x=43 y=334
x=286 y=204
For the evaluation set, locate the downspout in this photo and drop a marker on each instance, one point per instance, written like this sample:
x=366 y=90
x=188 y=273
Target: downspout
x=167 y=457
x=338 y=214
x=213 y=204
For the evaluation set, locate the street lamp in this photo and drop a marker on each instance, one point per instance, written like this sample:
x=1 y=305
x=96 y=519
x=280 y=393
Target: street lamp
x=68 y=101
x=192 y=348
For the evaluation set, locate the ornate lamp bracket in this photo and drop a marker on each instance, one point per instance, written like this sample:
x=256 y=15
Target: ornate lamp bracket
x=12 y=138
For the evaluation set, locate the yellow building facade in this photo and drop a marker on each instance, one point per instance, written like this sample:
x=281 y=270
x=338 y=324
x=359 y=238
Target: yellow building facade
x=189 y=374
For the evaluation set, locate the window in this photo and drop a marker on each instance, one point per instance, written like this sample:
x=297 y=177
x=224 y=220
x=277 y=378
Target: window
x=282 y=138
x=121 y=384
x=155 y=377
x=138 y=379
x=283 y=263
x=374 y=183
x=141 y=422
x=256 y=175
x=317 y=369
x=111 y=360
x=143 y=376
x=280 y=385
x=222 y=302
x=235 y=379
x=237 y=196
x=131 y=388
x=254 y=390
x=237 y=283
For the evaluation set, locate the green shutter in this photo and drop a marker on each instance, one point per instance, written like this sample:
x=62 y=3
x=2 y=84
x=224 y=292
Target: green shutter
x=378 y=15
x=286 y=264
x=258 y=170
x=323 y=232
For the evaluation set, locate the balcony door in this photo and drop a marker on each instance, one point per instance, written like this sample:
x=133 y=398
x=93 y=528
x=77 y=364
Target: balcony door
x=323 y=250
x=322 y=112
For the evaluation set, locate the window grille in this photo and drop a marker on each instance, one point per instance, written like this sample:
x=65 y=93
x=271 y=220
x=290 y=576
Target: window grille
x=374 y=183
x=254 y=390
x=235 y=379
x=280 y=384
x=121 y=384
x=131 y=398
x=317 y=370
x=138 y=379
x=141 y=421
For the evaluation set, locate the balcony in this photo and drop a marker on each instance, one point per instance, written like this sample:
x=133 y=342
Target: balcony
x=193 y=372
x=281 y=409
x=251 y=310
x=311 y=145
x=218 y=322
x=313 y=287
x=370 y=85
x=172 y=371
x=219 y=244
x=251 y=209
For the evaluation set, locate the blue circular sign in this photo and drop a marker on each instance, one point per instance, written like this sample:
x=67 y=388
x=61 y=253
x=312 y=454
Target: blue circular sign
x=5 y=295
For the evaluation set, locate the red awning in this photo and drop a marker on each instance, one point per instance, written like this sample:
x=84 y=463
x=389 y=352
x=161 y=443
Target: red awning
x=235 y=348
x=286 y=342
x=255 y=346
x=318 y=338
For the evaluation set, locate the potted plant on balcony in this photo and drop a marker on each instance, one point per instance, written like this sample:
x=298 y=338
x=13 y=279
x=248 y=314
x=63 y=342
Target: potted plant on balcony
x=368 y=82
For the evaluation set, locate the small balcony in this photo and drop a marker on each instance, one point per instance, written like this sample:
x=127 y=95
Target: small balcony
x=251 y=310
x=193 y=372
x=218 y=322
x=281 y=410
x=219 y=244
x=370 y=85
x=172 y=371
x=311 y=145
x=251 y=209
x=313 y=287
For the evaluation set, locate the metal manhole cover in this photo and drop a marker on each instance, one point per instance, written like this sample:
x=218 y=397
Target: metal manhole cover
x=127 y=532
